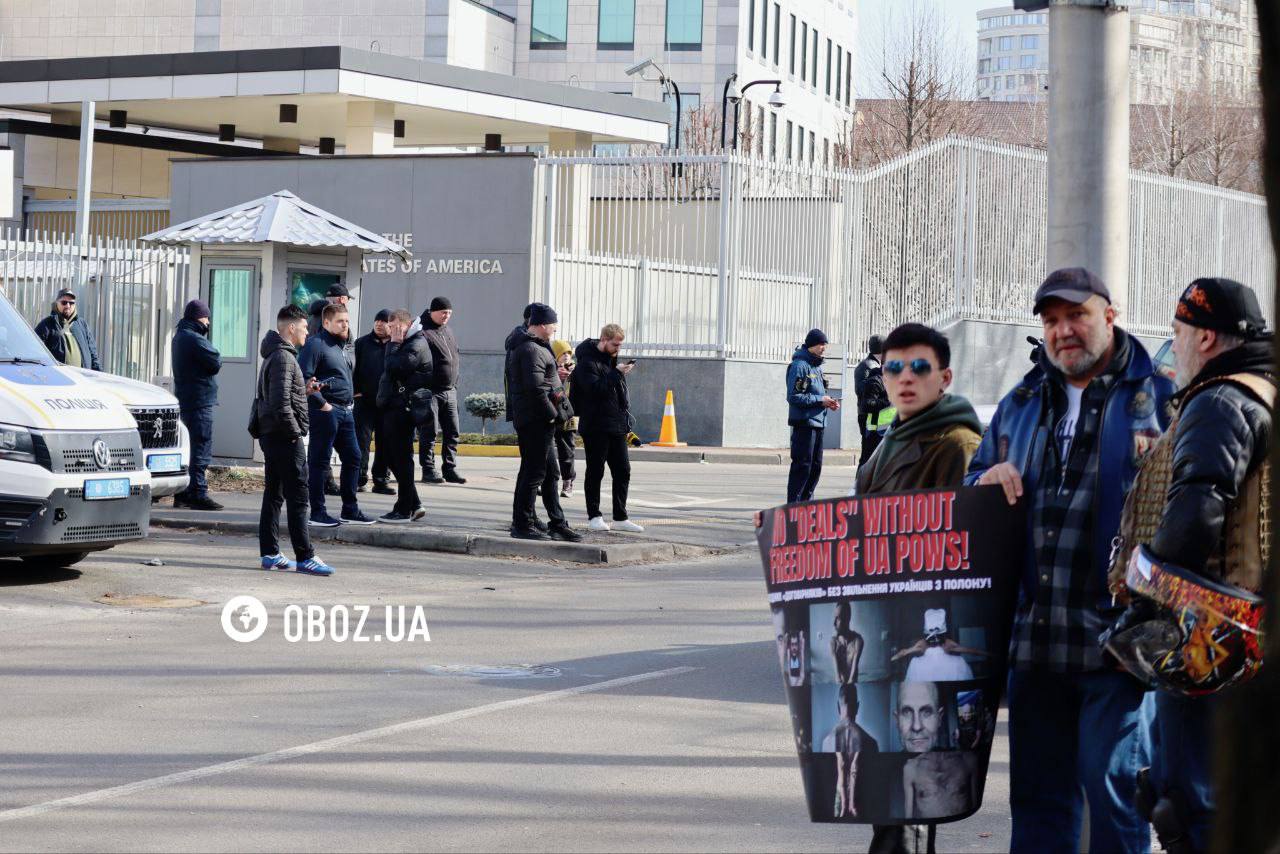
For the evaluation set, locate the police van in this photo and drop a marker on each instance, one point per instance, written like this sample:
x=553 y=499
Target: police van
x=82 y=453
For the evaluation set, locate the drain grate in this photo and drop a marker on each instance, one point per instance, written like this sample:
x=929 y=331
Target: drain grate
x=495 y=671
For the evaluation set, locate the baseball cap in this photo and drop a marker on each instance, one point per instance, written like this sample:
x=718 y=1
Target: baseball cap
x=1073 y=284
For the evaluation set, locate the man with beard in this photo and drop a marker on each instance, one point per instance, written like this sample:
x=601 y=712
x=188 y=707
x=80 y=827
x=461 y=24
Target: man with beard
x=67 y=336
x=1069 y=440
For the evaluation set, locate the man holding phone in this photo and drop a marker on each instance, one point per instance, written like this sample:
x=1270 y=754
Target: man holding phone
x=599 y=397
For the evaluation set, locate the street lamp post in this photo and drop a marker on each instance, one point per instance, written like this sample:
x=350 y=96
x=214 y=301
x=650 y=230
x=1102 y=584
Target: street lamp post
x=724 y=107
x=775 y=100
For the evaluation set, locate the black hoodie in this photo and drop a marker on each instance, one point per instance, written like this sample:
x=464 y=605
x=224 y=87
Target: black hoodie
x=282 y=389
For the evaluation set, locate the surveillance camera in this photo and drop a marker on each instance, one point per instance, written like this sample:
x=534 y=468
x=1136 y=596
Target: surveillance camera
x=776 y=100
x=639 y=69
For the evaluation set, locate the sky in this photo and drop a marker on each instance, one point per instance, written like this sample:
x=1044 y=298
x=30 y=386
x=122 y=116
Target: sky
x=961 y=14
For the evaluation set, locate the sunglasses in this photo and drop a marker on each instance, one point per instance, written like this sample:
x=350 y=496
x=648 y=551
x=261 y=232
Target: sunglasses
x=919 y=367
x=66 y=302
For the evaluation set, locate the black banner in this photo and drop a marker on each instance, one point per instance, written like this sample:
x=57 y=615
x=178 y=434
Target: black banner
x=892 y=615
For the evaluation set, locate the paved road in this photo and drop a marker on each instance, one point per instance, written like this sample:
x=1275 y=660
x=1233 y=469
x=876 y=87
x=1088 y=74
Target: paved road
x=699 y=503
x=690 y=751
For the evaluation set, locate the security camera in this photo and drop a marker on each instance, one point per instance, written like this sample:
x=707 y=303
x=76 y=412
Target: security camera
x=639 y=69
x=776 y=100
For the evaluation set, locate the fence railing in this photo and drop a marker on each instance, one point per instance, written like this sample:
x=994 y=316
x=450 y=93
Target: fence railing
x=126 y=291
x=736 y=256
x=121 y=219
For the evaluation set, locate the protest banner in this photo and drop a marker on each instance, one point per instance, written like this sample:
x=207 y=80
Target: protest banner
x=892 y=616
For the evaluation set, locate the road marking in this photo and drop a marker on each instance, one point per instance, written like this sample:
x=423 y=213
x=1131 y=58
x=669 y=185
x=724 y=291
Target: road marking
x=688 y=501
x=331 y=744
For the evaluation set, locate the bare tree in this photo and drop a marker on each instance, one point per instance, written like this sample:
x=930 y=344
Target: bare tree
x=1164 y=137
x=1231 y=156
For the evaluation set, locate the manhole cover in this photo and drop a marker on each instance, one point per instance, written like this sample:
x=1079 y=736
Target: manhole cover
x=495 y=671
x=147 y=600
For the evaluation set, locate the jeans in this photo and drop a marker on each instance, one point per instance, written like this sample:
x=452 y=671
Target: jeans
x=199 y=424
x=369 y=429
x=806 y=462
x=330 y=431
x=566 y=444
x=443 y=419
x=610 y=448
x=537 y=466
x=397 y=428
x=1070 y=732
x=286 y=482
x=1181 y=764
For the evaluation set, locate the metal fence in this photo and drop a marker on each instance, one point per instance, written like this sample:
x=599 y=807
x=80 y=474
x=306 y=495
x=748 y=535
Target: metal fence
x=736 y=256
x=126 y=291
x=121 y=219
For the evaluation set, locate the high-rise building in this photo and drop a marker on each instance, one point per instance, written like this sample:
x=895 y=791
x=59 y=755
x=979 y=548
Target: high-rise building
x=808 y=45
x=1175 y=45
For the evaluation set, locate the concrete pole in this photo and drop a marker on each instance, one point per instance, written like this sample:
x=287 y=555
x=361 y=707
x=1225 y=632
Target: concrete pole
x=1088 y=174
x=84 y=183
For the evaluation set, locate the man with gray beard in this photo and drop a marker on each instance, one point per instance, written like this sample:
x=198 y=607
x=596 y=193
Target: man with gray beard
x=1067 y=442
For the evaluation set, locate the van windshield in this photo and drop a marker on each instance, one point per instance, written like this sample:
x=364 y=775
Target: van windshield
x=17 y=341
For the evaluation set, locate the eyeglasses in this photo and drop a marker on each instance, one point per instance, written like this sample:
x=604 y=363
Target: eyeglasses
x=66 y=302
x=919 y=367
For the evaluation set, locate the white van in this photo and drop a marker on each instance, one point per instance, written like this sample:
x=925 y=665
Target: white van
x=75 y=447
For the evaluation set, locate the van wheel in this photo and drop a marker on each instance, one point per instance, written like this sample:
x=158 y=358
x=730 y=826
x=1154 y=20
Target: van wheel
x=58 y=561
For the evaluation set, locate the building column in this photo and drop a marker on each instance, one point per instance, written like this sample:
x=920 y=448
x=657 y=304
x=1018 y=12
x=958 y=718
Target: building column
x=573 y=191
x=370 y=127
x=280 y=143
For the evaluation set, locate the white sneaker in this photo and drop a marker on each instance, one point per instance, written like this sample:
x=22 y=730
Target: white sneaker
x=597 y=523
x=627 y=526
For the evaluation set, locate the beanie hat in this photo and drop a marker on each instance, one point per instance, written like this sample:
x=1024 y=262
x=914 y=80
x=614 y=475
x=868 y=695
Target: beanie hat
x=195 y=310
x=384 y=314
x=559 y=348
x=540 y=314
x=815 y=336
x=1222 y=305
x=528 y=310
x=440 y=304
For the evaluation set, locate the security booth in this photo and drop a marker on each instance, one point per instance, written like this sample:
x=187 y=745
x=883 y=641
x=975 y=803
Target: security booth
x=249 y=260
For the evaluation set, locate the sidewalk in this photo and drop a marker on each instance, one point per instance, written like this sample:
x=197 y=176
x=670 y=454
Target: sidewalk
x=687 y=511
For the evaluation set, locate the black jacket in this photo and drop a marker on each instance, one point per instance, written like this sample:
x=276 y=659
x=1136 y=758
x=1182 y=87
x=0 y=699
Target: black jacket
x=314 y=315
x=326 y=358
x=406 y=370
x=513 y=340
x=868 y=386
x=444 y=353
x=49 y=331
x=196 y=363
x=598 y=391
x=1223 y=434
x=282 y=389
x=371 y=355
x=533 y=385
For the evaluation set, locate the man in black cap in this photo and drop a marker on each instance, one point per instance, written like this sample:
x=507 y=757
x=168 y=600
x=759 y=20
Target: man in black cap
x=1204 y=484
x=1068 y=441
x=537 y=401
x=371 y=352
x=809 y=404
x=443 y=417
x=196 y=363
x=69 y=338
x=868 y=387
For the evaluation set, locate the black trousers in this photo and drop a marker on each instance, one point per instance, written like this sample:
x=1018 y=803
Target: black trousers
x=870 y=438
x=442 y=420
x=397 y=429
x=369 y=431
x=602 y=448
x=538 y=466
x=286 y=483
x=566 y=444
x=806 y=462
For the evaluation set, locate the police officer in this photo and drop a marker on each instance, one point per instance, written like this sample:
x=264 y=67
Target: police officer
x=809 y=405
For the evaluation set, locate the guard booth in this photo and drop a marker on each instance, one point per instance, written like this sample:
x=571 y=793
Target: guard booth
x=247 y=262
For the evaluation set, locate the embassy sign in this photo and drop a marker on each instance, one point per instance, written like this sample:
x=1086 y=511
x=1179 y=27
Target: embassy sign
x=434 y=265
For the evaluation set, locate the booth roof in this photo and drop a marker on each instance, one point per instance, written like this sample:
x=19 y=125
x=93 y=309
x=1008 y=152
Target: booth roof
x=280 y=217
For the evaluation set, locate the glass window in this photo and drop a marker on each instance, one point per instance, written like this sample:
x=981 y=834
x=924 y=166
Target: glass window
x=839 y=70
x=999 y=84
x=788 y=140
x=1030 y=42
x=17 y=341
x=811 y=145
x=550 y=24
x=689 y=104
x=230 y=292
x=773 y=136
x=1011 y=82
x=760 y=133
x=813 y=77
x=984 y=47
x=1028 y=61
x=751 y=24
x=804 y=51
x=792 y=61
x=984 y=66
x=1002 y=63
x=848 y=78
x=777 y=34
x=828 y=86
x=764 y=28
x=684 y=23
x=1006 y=43
x=617 y=24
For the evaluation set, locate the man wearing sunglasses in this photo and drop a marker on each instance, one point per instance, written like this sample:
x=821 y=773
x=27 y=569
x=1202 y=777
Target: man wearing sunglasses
x=68 y=338
x=1068 y=439
x=809 y=405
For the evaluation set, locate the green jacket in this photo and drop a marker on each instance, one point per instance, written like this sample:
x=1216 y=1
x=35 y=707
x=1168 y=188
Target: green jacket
x=930 y=451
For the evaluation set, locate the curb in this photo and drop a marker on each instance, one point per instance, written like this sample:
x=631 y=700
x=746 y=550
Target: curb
x=481 y=545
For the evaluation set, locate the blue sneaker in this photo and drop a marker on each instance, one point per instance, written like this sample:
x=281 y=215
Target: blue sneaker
x=323 y=520
x=277 y=561
x=315 y=566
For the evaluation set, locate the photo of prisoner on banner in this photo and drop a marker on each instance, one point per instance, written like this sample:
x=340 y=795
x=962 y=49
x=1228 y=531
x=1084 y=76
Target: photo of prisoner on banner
x=892 y=629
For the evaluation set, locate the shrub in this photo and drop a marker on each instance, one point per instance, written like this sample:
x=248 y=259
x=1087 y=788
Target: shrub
x=487 y=406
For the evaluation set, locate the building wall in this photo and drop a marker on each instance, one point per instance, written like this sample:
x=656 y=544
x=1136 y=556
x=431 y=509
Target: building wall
x=479 y=37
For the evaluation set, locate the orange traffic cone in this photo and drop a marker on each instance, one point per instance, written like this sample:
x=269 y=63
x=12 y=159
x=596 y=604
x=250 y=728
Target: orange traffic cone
x=667 y=436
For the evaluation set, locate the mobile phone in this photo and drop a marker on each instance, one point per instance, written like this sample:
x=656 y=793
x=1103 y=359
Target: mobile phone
x=631 y=361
